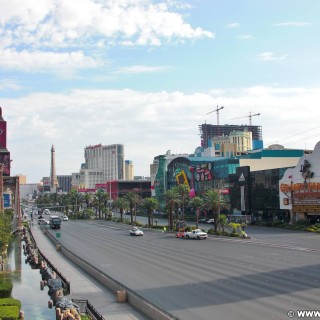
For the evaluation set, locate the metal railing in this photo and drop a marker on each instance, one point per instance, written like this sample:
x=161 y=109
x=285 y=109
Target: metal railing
x=86 y=307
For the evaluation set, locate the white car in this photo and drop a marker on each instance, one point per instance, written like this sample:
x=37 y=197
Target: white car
x=43 y=222
x=65 y=218
x=136 y=232
x=195 y=234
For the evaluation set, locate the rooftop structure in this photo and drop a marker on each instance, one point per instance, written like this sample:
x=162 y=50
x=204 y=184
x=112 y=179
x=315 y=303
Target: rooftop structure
x=208 y=131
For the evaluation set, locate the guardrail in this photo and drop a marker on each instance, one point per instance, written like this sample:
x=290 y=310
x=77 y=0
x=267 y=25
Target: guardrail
x=65 y=282
x=86 y=307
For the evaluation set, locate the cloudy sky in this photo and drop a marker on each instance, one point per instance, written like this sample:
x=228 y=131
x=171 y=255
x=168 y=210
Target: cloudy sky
x=145 y=73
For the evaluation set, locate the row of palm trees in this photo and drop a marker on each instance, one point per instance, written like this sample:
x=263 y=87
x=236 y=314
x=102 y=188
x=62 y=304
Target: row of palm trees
x=100 y=204
x=178 y=198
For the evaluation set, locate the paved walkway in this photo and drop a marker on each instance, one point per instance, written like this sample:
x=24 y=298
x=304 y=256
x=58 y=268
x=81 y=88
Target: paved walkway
x=83 y=286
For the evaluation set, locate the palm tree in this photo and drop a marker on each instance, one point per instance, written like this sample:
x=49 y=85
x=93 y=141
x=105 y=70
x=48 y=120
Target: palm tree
x=133 y=199
x=150 y=204
x=197 y=204
x=100 y=201
x=121 y=204
x=75 y=199
x=172 y=198
x=88 y=198
x=183 y=190
x=214 y=202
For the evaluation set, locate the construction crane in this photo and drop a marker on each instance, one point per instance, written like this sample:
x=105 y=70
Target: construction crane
x=250 y=117
x=217 y=111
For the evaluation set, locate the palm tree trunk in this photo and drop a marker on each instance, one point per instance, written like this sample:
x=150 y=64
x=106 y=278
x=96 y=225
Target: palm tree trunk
x=171 y=218
x=149 y=220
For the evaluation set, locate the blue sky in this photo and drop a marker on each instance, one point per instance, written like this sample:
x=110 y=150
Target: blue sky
x=145 y=73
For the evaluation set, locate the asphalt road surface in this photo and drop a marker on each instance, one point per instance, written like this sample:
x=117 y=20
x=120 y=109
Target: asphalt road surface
x=274 y=274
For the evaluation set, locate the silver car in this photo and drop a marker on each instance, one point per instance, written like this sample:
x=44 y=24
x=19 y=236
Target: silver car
x=136 y=232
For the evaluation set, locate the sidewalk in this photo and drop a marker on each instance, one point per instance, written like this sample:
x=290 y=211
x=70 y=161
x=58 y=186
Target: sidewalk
x=84 y=287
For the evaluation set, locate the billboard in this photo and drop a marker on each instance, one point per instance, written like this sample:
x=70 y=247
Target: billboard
x=203 y=172
x=3 y=134
x=6 y=200
x=46 y=184
x=10 y=183
x=5 y=159
x=181 y=178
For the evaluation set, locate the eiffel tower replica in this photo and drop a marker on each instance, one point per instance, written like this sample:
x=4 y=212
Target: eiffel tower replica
x=53 y=176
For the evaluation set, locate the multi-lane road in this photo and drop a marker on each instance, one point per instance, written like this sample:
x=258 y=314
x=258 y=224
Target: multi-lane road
x=275 y=272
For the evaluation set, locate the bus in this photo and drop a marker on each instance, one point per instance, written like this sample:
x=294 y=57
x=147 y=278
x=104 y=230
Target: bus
x=55 y=222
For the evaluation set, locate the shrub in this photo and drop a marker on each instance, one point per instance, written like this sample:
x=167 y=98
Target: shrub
x=236 y=235
x=9 y=312
x=211 y=231
x=10 y=302
x=154 y=226
x=5 y=289
x=234 y=226
x=138 y=224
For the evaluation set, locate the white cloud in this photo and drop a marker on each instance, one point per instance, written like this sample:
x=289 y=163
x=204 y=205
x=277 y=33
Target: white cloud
x=270 y=56
x=141 y=69
x=233 y=25
x=147 y=124
x=292 y=24
x=40 y=61
x=179 y=4
x=9 y=84
x=59 y=34
x=245 y=37
x=84 y=22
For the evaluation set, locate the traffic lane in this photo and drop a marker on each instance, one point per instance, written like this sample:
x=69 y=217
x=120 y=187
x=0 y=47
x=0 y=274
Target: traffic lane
x=142 y=246
x=260 y=233
x=284 y=236
x=167 y=271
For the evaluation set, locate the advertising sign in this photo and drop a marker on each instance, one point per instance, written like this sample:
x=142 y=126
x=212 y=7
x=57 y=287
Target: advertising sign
x=299 y=188
x=181 y=178
x=5 y=159
x=3 y=135
x=46 y=183
x=10 y=183
x=6 y=200
x=203 y=172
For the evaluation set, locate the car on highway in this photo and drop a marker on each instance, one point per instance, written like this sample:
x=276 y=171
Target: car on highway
x=180 y=235
x=195 y=234
x=136 y=232
x=65 y=218
x=43 y=222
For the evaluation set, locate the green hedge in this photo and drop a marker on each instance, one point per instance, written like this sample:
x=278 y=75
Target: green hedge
x=9 y=312
x=5 y=289
x=10 y=302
